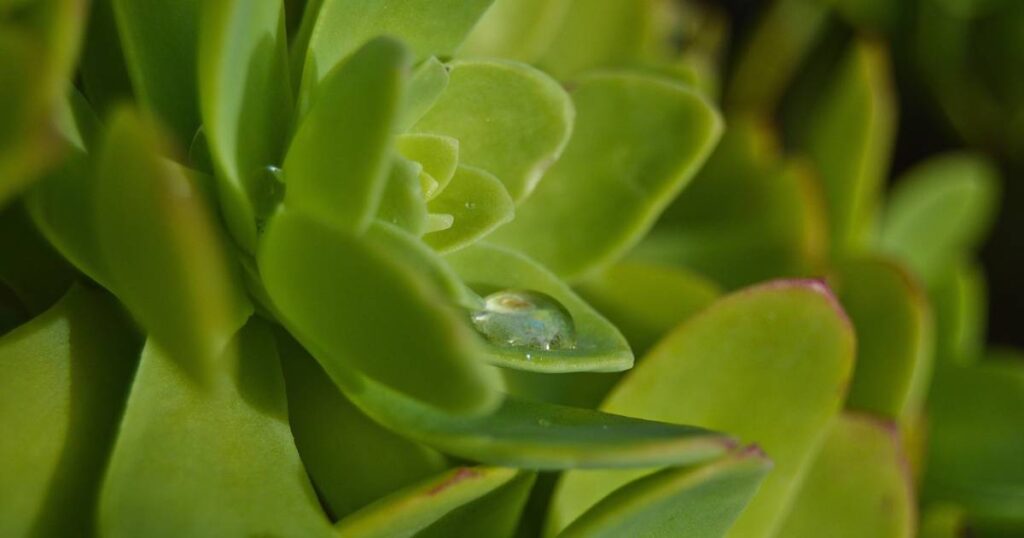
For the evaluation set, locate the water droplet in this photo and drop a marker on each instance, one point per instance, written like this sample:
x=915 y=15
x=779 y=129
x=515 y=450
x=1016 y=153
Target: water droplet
x=523 y=318
x=470 y=205
x=529 y=357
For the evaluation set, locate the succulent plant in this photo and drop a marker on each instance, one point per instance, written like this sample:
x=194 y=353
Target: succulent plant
x=485 y=268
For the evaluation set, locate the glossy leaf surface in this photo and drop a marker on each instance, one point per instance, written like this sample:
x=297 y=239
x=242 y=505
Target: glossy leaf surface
x=439 y=156
x=477 y=201
x=615 y=176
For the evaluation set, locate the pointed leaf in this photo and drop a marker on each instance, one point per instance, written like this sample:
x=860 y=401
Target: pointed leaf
x=857 y=486
x=939 y=210
x=357 y=306
x=162 y=250
x=337 y=165
x=636 y=143
x=769 y=364
x=245 y=99
x=698 y=502
x=509 y=118
x=478 y=203
x=63 y=380
x=599 y=347
x=890 y=313
x=497 y=514
x=218 y=461
x=409 y=512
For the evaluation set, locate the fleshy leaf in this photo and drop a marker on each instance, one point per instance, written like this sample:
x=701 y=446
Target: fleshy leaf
x=769 y=364
x=415 y=510
x=975 y=440
x=438 y=154
x=427 y=83
x=357 y=306
x=428 y=27
x=858 y=485
x=337 y=165
x=894 y=337
x=245 y=99
x=162 y=250
x=698 y=502
x=849 y=137
x=938 y=211
x=748 y=216
x=645 y=301
x=402 y=202
x=616 y=174
x=160 y=39
x=64 y=378
x=959 y=298
x=478 y=203
x=352 y=460
x=509 y=118
x=214 y=462
x=598 y=344
x=520 y=30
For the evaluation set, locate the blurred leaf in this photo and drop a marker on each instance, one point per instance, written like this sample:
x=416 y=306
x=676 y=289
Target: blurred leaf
x=849 y=136
x=352 y=460
x=520 y=30
x=858 y=485
x=960 y=300
x=943 y=521
x=636 y=143
x=769 y=364
x=357 y=307
x=893 y=321
x=428 y=27
x=478 y=202
x=161 y=249
x=103 y=67
x=417 y=510
x=218 y=461
x=438 y=154
x=509 y=118
x=748 y=215
x=160 y=39
x=975 y=441
x=698 y=502
x=426 y=85
x=598 y=344
x=402 y=202
x=30 y=267
x=245 y=100
x=63 y=380
x=940 y=211
x=645 y=300
x=337 y=165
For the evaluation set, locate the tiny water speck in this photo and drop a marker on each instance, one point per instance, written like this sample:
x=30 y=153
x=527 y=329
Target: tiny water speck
x=525 y=319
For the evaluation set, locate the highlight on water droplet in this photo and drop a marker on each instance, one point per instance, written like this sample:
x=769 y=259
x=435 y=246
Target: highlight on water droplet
x=525 y=319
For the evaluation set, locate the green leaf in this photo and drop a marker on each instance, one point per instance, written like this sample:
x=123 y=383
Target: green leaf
x=857 y=486
x=351 y=459
x=599 y=346
x=218 y=461
x=698 y=502
x=748 y=216
x=520 y=30
x=769 y=364
x=438 y=154
x=161 y=249
x=428 y=82
x=245 y=99
x=402 y=203
x=849 y=137
x=637 y=142
x=31 y=269
x=646 y=300
x=357 y=307
x=161 y=41
x=61 y=208
x=63 y=380
x=960 y=301
x=102 y=66
x=940 y=210
x=428 y=27
x=509 y=118
x=336 y=169
x=975 y=440
x=944 y=521
x=893 y=321
x=497 y=515
x=477 y=201
x=416 y=511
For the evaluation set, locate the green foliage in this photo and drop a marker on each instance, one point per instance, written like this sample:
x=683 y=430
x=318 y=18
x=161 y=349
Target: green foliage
x=440 y=268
